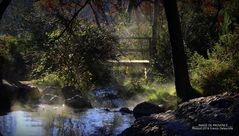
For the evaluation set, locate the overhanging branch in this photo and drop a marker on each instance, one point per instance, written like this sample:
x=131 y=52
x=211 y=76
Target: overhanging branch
x=69 y=23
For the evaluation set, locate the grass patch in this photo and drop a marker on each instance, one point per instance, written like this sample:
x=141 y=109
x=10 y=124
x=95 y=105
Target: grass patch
x=50 y=80
x=162 y=94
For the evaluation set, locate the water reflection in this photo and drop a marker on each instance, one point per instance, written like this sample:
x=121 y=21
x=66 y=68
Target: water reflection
x=20 y=124
x=107 y=97
x=62 y=121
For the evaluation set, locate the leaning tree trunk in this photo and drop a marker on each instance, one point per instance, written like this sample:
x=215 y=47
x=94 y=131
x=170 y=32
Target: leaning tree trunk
x=3 y=6
x=182 y=83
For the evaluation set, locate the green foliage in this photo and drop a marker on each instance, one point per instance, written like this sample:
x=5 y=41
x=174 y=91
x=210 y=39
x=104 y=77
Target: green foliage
x=196 y=28
x=133 y=87
x=6 y=43
x=226 y=24
x=220 y=71
x=162 y=63
x=80 y=57
x=12 y=50
x=163 y=94
x=232 y=9
x=50 y=79
x=158 y=93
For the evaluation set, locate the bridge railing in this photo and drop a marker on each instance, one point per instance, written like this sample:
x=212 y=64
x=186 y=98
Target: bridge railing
x=143 y=63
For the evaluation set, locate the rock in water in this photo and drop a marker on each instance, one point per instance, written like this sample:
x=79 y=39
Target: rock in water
x=70 y=91
x=125 y=110
x=27 y=93
x=51 y=99
x=146 y=109
x=16 y=91
x=78 y=102
x=74 y=98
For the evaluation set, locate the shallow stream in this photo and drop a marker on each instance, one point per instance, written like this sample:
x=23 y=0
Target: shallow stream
x=60 y=120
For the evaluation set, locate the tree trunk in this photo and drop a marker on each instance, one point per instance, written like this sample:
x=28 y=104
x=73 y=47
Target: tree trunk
x=1 y=69
x=153 y=49
x=3 y=6
x=182 y=83
x=213 y=25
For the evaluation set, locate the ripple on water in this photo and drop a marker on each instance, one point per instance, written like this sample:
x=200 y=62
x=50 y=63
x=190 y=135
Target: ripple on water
x=48 y=122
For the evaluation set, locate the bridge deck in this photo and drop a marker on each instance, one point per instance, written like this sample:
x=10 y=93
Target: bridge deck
x=130 y=61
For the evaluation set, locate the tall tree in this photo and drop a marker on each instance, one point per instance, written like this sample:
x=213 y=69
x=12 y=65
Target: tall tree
x=182 y=83
x=155 y=28
x=3 y=6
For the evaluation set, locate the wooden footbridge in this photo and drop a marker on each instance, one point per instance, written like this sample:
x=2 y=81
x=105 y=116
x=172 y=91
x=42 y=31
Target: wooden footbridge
x=140 y=52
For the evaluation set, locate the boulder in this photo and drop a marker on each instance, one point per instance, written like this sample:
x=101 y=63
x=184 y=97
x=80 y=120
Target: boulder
x=158 y=126
x=106 y=109
x=52 y=90
x=6 y=97
x=78 y=102
x=28 y=93
x=221 y=103
x=51 y=99
x=70 y=91
x=125 y=110
x=145 y=126
x=74 y=98
x=221 y=112
x=146 y=109
x=16 y=91
x=217 y=109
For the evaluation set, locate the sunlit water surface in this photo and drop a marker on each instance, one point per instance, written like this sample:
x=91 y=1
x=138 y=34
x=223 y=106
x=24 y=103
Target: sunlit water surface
x=63 y=121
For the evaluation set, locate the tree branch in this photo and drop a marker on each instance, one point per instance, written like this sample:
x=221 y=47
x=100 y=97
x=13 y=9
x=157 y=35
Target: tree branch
x=69 y=23
x=219 y=8
x=96 y=16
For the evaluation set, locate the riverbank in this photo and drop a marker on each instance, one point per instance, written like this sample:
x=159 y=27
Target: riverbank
x=205 y=116
x=55 y=111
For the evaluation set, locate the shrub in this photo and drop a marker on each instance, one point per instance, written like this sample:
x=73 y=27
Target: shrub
x=50 y=79
x=11 y=49
x=162 y=94
x=162 y=70
x=218 y=73
x=80 y=57
x=132 y=87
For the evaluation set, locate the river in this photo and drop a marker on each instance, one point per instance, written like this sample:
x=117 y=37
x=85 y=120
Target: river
x=60 y=120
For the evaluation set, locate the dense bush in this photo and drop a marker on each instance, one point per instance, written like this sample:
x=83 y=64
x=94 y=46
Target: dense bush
x=133 y=87
x=195 y=28
x=220 y=71
x=12 y=51
x=162 y=63
x=79 y=58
